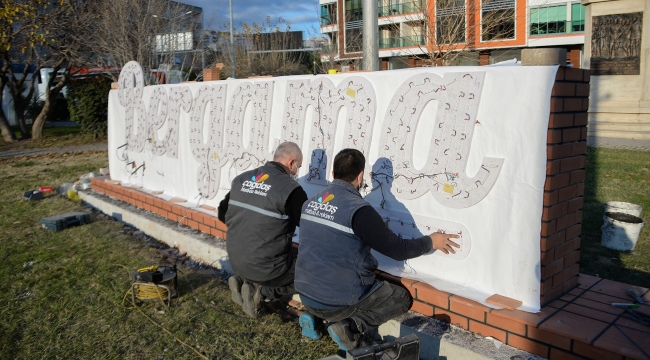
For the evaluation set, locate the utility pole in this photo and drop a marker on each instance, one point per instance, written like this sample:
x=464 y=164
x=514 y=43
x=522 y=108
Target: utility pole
x=370 y=36
x=232 y=44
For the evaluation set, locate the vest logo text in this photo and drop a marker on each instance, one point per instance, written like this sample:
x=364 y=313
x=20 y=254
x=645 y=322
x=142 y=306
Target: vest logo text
x=256 y=185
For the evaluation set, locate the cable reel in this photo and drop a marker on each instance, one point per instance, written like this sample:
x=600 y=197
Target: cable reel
x=154 y=283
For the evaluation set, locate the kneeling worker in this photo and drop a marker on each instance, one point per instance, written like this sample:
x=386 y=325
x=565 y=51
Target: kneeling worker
x=335 y=271
x=262 y=211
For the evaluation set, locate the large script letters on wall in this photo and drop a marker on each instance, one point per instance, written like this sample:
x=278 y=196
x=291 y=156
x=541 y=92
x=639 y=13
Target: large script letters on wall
x=446 y=150
x=356 y=95
x=444 y=174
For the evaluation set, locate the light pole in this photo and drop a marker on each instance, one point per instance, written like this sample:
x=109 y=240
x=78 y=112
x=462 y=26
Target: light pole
x=232 y=43
x=370 y=30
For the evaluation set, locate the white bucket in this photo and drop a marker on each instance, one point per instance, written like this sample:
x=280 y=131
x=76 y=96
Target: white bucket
x=623 y=207
x=621 y=231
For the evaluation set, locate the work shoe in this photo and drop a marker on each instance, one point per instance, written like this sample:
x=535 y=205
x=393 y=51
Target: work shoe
x=311 y=327
x=235 y=283
x=252 y=300
x=341 y=334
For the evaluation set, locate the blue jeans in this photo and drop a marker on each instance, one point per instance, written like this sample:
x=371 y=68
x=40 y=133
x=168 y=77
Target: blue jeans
x=385 y=303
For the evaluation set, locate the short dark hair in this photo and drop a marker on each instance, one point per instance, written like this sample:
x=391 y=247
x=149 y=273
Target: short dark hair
x=348 y=163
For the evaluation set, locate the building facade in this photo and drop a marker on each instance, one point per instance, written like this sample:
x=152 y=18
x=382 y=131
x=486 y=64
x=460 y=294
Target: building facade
x=453 y=32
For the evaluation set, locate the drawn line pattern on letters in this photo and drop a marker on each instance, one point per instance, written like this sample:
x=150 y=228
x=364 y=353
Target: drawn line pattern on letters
x=260 y=96
x=355 y=94
x=444 y=173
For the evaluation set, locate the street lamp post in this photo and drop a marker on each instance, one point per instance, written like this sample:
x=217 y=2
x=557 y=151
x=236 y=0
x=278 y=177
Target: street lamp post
x=232 y=44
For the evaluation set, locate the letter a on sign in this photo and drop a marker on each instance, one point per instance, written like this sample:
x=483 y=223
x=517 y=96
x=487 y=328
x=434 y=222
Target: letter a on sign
x=445 y=172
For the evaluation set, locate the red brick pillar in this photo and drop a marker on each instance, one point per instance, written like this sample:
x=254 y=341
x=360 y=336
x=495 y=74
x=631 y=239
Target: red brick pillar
x=483 y=58
x=564 y=187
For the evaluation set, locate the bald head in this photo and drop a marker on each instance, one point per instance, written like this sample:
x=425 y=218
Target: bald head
x=288 y=154
x=287 y=150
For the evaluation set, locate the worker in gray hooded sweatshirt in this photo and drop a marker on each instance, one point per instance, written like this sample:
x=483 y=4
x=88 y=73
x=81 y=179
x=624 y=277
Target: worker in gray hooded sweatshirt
x=335 y=272
x=262 y=211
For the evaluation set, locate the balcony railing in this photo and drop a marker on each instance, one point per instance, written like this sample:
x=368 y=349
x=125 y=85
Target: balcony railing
x=557 y=27
x=399 y=9
x=404 y=41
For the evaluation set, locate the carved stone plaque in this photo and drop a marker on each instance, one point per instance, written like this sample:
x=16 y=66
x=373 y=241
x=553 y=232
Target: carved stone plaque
x=616 y=44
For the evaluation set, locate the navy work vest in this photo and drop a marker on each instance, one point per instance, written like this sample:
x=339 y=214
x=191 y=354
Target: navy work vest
x=259 y=230
x=334 y=266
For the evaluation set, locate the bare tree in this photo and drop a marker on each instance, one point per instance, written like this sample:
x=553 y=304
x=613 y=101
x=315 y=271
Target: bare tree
x=155 y=33
x=20 y=31
x=65 y=50
x=346 y=44
x=443 y=32
x=440 y=32
x=21 y=86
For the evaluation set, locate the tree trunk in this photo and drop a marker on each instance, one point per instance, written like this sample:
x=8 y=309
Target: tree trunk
x=7 y=134
x=16 y=90
x=24 y=131
x=51 y=92
x=37 y=127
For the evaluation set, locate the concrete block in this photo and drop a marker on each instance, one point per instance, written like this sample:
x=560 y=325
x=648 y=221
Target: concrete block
x=543 y=56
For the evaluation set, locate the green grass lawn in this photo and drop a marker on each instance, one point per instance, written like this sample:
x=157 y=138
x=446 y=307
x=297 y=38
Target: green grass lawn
x=52 y=137
x=61 y=292
x=616 y=175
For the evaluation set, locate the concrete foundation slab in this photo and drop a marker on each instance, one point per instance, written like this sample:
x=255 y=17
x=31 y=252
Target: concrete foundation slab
x=199 y=246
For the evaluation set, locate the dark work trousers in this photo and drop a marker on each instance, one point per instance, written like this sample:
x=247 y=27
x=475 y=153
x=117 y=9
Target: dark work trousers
x=387 y=302
x=275 y=289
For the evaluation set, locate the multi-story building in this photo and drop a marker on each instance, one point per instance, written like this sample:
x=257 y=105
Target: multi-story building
x=452 y=32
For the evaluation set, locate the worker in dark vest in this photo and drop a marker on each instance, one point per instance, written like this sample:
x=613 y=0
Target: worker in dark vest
x=262 y=211
x=335 y=272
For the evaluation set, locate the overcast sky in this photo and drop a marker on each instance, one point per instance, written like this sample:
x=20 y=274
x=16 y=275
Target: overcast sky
x=301 y=14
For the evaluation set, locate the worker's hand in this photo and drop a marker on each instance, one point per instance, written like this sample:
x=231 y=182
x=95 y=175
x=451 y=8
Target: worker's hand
x=443 y=243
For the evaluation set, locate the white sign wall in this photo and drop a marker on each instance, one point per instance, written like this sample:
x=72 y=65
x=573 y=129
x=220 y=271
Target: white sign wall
x=454 y=149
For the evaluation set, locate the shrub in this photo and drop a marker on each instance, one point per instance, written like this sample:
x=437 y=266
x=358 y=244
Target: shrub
x=88 y=104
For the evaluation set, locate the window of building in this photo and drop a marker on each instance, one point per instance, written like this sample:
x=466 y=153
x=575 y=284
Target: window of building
x=328 y=14
x=577 y=17
x=353 y=10
x=549 y=20
x=353 y=40
x=450 y=21
x=497 y=20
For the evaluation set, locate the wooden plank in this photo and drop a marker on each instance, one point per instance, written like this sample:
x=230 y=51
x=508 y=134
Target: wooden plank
x=503 y=301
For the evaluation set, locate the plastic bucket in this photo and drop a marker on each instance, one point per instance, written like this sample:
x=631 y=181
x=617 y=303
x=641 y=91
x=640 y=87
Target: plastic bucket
x=621 y=231
x=623 y=207
x=331 y=71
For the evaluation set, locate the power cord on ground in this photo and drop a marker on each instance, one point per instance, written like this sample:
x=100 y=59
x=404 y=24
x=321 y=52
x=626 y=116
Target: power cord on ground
x=159 y=296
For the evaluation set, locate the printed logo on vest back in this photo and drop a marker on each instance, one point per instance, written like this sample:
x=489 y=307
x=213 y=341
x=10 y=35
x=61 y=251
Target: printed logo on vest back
x=256 y=185
x=321 y=207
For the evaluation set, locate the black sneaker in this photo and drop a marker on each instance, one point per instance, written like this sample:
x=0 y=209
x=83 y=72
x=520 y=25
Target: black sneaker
x=252 y=300
x=341 y=334
x=235 y=283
